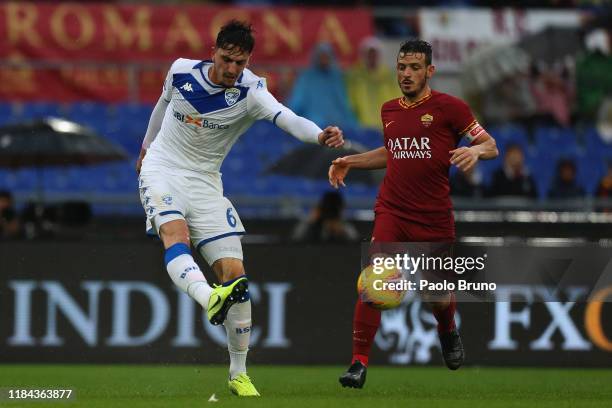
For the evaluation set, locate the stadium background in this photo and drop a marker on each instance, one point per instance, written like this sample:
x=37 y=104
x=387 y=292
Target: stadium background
x=82 y=284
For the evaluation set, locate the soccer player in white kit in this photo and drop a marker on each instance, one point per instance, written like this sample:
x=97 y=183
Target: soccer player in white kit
x=204 y=107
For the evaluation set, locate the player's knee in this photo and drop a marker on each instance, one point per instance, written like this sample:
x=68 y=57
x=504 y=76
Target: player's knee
x=227 y=269
x=174 y=232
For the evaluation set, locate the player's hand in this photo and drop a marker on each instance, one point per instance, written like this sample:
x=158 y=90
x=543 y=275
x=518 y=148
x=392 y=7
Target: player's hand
x=141 y=156
x=337 y=172
x=464 y=157
x=331 y=137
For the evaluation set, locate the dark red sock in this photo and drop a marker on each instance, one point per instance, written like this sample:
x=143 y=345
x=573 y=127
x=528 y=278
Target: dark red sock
x=446 y=317
x=365 y=324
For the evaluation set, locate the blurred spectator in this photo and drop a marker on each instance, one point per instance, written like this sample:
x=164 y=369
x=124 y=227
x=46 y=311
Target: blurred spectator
x=65 y=219
x=370 y=84
x=467 y=184
x=604 y=121
x=554 y=95
x=604 y=190
x=10 y=226
x=509 y=100
x=319 y=93
x=37 y=221
x=593 y=82
x=564 y=185
x=513 y=178
x=325 y=223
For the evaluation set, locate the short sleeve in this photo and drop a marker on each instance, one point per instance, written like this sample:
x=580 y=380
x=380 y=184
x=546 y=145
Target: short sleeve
x=462 y=121
x=168 y=87
x=261 y=104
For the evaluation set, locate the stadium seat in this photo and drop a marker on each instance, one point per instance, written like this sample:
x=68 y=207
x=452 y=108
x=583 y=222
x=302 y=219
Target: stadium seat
x=264 y=144
x=557 y=142
x=6 y=113
x=488 y=167
x=23 y=180
x=370 y=138
x=595 y=144
x=510 y=134
x=133 y=112
x=590 y=171
x=57 y=180
x=41 y=110
x=93 y=115
x=542 y=169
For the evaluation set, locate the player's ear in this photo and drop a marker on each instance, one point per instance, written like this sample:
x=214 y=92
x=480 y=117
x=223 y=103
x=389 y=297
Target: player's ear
x=213 y=51
x=430 y=70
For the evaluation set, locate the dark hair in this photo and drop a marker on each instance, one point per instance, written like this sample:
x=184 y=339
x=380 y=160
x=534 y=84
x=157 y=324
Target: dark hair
x=417 y=46
x=236 y=34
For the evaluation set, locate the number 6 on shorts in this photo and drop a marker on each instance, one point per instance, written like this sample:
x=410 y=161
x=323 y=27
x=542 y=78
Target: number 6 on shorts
x=231 y=220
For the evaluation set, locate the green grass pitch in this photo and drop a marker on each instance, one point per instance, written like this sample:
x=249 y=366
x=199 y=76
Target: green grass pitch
x=312 y=386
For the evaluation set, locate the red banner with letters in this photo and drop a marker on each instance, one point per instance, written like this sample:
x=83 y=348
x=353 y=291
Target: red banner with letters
x=104 y=84
x=123 y=42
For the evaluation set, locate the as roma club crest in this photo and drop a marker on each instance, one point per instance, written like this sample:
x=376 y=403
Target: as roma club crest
x=231 y=96
x=426 y=119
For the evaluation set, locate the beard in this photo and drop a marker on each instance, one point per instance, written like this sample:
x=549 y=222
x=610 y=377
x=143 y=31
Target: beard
x=416 y=91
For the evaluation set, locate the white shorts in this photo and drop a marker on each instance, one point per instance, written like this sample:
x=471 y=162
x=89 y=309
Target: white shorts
x=168 y=195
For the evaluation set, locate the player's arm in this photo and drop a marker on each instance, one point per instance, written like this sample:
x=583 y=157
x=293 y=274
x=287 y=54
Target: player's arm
x=483 y=148
x=370 y=160
x=157 y=116
x=155 y=121
x=307 y=131
x=482 y=145
x=261 y=104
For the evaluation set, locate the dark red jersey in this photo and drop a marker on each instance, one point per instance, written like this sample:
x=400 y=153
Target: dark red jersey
x=418 y=137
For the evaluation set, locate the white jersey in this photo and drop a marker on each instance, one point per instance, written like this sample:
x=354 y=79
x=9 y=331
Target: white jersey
x=203 y=120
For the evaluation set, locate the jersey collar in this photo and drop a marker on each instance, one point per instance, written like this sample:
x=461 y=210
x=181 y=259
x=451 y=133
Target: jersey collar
x=409 y=105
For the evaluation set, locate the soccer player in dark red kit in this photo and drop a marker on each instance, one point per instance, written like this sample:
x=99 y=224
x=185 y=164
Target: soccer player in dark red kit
x=421 y=133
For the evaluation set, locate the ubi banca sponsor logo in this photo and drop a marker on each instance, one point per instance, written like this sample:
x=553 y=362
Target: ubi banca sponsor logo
x=198 y=121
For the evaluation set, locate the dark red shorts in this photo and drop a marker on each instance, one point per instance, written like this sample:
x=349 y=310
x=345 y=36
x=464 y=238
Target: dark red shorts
x=391 y=228
x=434 y=240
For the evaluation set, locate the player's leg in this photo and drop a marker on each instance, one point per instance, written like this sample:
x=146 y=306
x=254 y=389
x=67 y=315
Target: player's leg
x=450 y=340
x=443 y=305
x=182 y=268
x=366 y=319
x=165 y=209
x=216 y=231
x=225 y=256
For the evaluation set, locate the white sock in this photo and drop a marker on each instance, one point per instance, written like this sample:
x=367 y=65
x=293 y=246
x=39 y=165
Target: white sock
x=186 y=274
x=238 y=328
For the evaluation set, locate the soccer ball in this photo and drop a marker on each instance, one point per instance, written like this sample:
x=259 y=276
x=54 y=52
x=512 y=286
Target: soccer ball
x=372 y=289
